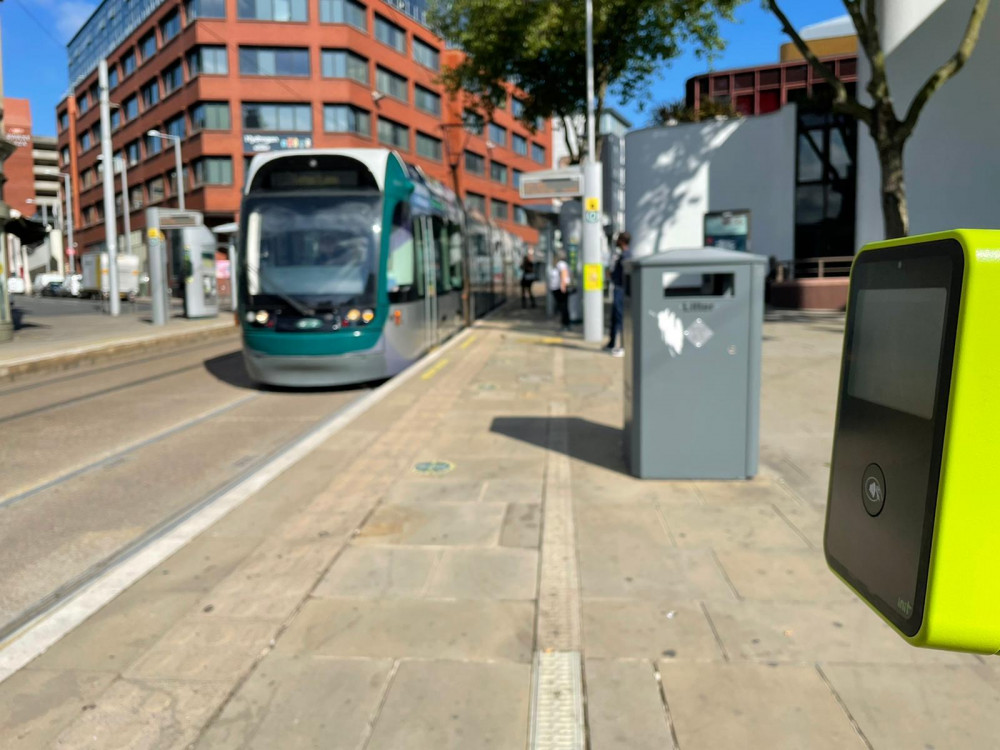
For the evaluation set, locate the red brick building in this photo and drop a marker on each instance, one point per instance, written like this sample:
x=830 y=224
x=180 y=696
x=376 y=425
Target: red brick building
x=234 y=77
x=19 y=169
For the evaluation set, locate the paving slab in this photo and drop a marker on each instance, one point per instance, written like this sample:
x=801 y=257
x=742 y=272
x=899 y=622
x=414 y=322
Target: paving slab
x=522 y=526
x=513 y=490
x=383 y=628
x=485 y=574
x=36 y=704
x=646 y=571
x=203 y=647
x=754 y=706
x=801 y=576
x=641 y=629
x=754 y=526
x=918 y=707
x=150 y=714
x=303 y=702
x=435 y=524
x=460 y=705
x=436 y=490
x=379 y=572
x=624 y=709
x=815 y=631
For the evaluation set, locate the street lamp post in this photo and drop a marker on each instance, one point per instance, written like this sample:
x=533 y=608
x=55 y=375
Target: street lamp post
x=177 y=162
x=110 y=220
x=593 y=303
x=70 y=250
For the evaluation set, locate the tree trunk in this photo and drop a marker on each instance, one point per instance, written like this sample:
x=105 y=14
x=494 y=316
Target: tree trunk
x=895 y=215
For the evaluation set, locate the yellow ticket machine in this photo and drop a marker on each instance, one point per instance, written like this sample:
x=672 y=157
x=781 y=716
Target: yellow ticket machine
x=913 y=518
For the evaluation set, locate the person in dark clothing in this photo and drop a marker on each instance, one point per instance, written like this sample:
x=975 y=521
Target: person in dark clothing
x=528 y=277
x=618 y=299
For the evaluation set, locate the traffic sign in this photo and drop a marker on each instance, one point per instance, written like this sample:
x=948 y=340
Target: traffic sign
x=552 y=183
x=592 y=217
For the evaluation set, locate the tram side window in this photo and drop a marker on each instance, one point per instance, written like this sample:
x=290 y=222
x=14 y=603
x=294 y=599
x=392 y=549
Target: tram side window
x=440 y=254
x=401 y=269
x=455 y=255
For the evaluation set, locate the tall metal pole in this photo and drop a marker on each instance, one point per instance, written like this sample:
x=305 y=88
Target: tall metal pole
x=70 y=250
x=110 y=220
x=126 y=208
x=180 y=172
x=593 y=281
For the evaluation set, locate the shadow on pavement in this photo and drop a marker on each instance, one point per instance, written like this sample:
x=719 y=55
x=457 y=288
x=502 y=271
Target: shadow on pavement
x=229 y=369
x=592 y=442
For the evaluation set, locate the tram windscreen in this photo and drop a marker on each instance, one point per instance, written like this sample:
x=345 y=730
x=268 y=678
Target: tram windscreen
x=320 y=250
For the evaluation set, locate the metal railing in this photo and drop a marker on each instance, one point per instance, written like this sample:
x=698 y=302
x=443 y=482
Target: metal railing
x=814 y=268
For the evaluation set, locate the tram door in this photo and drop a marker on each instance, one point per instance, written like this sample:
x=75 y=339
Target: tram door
x=427 y=257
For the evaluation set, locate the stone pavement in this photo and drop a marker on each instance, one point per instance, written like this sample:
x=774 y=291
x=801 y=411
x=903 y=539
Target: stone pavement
x=391 y=590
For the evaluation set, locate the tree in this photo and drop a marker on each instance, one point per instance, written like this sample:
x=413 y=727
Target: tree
x=538 y=45
x=889 y=131
x=676 y=112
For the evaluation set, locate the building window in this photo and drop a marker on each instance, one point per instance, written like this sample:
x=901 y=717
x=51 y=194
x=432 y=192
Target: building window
x=128 y=64
x=342 y=63
x=295 y=118
x=426 y=55
x=389 y=33
x=208 y=60
x=428 y=146
x=63 y=120
x=520 y=144
x=213 y=170
x=274 y=61
x=474 y=163
x=427 y=100
x=520 y=215
x=116 y=119
x=498 y=172
x=343 y=118
x=150 y=94
x=112 y=76
x=475 y=202
x=393 y=134
x=153 y=144
x=82 y=103
x=155 y=190
x=173 y=78
x=537 y=153
x=343 y=11
x=194 y=9
x=272 y=10
x=210 y=116
x=391 y=84
x=135 y=196
x=473 y=122
x=87 y=178
x=64 y=156
x=515 y=177
x=177 y=126
x=147 y=46
x=131 y=106
x=516 y=107
x=498 y=134
x=85 y=141
x=540 y=124
x=170 y=26
x=132 y=153
x=499 y=209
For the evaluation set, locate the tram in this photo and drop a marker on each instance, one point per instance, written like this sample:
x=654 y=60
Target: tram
x=352 y=264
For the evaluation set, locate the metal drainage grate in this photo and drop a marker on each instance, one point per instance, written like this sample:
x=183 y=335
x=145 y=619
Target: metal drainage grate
x=557 y=702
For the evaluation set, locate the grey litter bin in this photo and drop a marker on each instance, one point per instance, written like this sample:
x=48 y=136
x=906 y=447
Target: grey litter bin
x=693 y=326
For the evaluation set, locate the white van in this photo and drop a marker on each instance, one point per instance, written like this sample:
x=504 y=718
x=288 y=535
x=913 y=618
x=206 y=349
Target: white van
x=39 y=282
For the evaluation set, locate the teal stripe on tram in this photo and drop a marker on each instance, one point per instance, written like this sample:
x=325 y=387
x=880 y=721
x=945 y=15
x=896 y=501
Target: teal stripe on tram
x=312 y=344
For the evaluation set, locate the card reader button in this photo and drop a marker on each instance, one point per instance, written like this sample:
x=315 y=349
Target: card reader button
x=873 y=489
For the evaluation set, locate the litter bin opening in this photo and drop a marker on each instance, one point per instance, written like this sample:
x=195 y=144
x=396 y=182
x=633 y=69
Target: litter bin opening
x=698 y=285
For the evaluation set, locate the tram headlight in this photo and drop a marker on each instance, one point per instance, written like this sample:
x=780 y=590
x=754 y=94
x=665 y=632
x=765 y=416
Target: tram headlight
x=261 y=317
x=353 y=316
x=368 y=316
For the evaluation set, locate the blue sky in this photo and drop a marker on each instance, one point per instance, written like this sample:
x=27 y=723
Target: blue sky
x=35 y=33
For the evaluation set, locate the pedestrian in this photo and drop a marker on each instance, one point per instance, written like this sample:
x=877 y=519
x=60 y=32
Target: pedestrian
x=559 y=286
x=618 y=299
x=528 y=276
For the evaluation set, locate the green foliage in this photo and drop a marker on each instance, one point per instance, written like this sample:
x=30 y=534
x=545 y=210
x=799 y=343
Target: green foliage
x=539 y=45
x=672 y=113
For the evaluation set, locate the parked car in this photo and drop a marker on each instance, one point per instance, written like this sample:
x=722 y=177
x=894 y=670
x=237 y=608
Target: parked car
x=43 y=279
x=52 y=289
x=16 y=285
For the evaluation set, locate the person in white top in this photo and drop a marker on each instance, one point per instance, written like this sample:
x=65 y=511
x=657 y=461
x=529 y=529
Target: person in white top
x=559 y=286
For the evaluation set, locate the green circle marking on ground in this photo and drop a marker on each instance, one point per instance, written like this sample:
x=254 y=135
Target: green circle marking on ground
x=434 y=468
x=487 y=387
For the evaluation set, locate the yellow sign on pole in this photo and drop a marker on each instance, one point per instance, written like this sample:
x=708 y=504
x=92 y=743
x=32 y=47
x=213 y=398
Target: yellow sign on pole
x=593 y=277
x=593 y=204
x=155 y=234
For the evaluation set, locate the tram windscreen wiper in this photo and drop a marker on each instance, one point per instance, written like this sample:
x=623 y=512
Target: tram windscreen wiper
x=277 y=291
